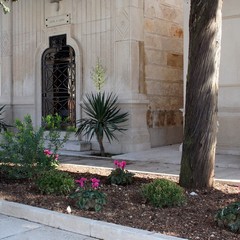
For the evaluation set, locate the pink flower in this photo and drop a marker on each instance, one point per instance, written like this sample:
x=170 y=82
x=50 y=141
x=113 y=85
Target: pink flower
x=120 y=164
x=123 y=164
x=95 y=183
x=47 y=152
x=116 y=162
x=81 y=181
x=56 y=157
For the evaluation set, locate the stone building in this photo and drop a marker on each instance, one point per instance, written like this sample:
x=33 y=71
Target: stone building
x=229 y=80
x=47 y=45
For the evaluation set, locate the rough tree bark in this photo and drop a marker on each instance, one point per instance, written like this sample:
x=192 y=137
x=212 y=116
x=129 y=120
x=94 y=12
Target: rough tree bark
x=198 y=156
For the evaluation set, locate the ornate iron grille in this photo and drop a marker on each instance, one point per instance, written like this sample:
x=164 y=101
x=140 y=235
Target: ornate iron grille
x=58 y=81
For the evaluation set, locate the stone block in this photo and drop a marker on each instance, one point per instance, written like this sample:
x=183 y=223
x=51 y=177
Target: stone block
x=175 y=60
x=149 y=25
x=166 y=136
x=170 y=13
x=156 y=72
x=172 y=44
x=153 y=41
x=173 y=3
x=176 y=31
x=164 y=118
x=165 y=102
x=155 y=57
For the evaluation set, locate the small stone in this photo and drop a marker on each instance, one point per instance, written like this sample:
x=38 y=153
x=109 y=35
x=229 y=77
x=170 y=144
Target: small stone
x=69 y=210
x=193 y=194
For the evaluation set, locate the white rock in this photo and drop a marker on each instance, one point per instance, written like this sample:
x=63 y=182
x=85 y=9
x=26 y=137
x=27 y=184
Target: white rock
x=69 y=210
x=193 y=194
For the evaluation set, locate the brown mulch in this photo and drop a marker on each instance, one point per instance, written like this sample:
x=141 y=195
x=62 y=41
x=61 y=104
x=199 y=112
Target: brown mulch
x=125 y=206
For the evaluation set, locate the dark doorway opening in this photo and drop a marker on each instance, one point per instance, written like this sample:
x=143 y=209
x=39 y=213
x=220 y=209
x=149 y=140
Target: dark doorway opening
x=59 y=80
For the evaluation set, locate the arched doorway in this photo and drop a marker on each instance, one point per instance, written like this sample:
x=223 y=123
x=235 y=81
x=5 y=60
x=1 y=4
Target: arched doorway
x=59 y=80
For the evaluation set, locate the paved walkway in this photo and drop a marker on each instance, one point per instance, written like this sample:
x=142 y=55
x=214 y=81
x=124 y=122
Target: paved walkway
x=165 y=160
x=18 y=229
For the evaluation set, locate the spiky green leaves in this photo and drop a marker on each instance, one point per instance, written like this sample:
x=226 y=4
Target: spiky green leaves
x=103 y=117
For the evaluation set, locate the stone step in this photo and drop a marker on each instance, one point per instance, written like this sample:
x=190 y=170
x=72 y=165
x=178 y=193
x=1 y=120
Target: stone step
x=73 y=145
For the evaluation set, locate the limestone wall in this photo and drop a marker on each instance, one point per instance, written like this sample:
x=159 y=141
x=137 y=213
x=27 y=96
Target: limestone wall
x=138 y=41
x=229 y=82
x=5 y=65
x=163 y=41
x=228 y=138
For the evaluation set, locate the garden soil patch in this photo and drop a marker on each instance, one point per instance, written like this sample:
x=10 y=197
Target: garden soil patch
x=125 y=205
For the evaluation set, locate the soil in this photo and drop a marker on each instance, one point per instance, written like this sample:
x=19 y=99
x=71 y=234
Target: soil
x=125 y=206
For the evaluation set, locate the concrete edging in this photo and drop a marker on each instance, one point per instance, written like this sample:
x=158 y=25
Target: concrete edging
x=79 y=225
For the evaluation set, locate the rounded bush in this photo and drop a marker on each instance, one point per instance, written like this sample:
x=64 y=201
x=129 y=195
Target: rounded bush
x=163 y=193
x=55 y=182
x=229 y=217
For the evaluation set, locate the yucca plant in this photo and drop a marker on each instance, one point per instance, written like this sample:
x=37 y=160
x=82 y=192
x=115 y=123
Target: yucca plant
x=103 y=118
x=3 y=125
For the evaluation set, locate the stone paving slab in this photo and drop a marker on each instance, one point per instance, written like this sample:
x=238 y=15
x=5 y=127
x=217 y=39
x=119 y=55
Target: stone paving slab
x=10 y=227
x=18 y=229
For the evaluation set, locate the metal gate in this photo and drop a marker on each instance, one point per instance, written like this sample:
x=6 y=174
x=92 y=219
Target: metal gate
x=59 y=80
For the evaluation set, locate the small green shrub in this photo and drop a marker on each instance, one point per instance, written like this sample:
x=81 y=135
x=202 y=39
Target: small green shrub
x=120 y=176
x=229 y=217
x=56 y=122
x=55 y=141
x=88 y=196
x=163 y=193
x=25 y=152
x=55 y=182
x=52 y=121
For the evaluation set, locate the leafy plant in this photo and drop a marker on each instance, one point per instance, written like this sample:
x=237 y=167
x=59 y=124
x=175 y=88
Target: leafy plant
x=119 y=175
x=3 y=125
x=104 y=118
x=55 y=140
x=163 y=193
x=52 y=121
x=88 y=197
x=229 y=217
x=24 y=151
x=55 y=182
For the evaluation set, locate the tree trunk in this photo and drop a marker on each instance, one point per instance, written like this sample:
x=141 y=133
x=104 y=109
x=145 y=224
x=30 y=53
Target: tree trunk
x=198 y=156
x=100 y=142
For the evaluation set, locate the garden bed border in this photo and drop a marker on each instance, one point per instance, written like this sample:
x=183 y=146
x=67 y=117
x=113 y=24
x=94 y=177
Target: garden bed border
x=79 y=225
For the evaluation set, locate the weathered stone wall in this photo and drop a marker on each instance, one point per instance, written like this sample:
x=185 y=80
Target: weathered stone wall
x=163 y=45
x=138 y=41
x=229 y=81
